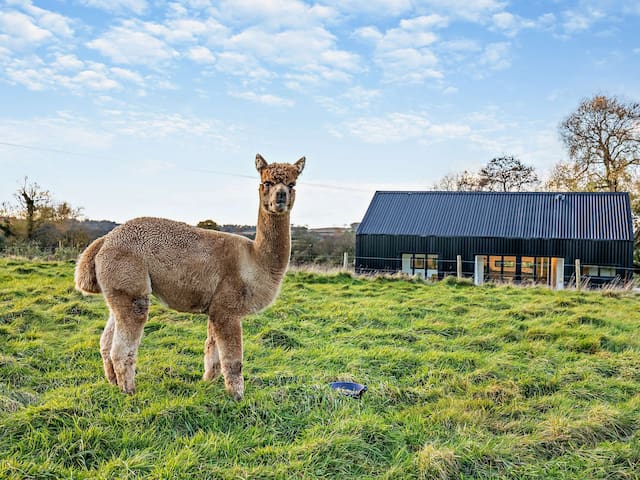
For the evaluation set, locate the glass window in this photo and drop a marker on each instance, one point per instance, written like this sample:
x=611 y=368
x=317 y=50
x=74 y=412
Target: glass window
x=542 y=269
x=526 y=268
x=607 y=271
x=590 y=270
x=495 y=267
x=432 y=262
x=508 y=268
x=418 y=262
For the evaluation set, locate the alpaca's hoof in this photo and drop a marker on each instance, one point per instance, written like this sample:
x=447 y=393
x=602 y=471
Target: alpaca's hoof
x=211 y=374
x=236 y=389
x=237 y=396
x=128 y=388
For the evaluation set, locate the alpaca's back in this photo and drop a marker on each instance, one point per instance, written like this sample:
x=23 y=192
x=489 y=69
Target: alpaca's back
x=180 y=264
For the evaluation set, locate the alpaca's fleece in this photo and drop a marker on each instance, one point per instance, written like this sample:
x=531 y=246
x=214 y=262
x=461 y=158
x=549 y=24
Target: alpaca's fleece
x=193 y=270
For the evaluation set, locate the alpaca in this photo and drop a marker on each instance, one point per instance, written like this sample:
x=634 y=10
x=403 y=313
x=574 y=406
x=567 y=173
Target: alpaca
x=190 y=269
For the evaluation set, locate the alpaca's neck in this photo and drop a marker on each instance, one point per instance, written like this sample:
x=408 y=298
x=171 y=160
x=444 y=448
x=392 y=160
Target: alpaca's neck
x=273 y=241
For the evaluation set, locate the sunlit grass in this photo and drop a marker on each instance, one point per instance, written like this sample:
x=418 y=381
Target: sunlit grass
x=464 y=382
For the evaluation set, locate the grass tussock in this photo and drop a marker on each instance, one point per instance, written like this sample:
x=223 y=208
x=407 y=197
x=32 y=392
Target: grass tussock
x=491 y=382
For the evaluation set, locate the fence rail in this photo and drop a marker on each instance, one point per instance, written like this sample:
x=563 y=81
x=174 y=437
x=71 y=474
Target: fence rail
x=625 y=277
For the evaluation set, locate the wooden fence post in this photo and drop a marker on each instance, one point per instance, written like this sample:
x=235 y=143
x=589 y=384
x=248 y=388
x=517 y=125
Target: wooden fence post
x=345 y=260
x=578 y=274
x=459 y=266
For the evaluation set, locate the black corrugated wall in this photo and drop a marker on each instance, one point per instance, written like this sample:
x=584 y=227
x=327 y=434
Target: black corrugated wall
x=383 y=252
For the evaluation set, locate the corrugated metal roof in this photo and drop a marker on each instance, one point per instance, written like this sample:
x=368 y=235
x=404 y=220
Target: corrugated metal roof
x=547 y=215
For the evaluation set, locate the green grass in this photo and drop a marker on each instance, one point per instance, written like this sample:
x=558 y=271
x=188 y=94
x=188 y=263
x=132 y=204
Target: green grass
x=464 y=382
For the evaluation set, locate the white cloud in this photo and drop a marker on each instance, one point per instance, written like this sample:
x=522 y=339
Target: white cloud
x=54 y=22
x=67 y=62
x=67 y=72
x=240 y=64
x=19 y=30
x=358 y=98
x=511 y=24
x=155 y=125
x=310 y=51
x=130 y=44
x=380 y=8
x=399 y=127
x=59 y=131
x=127 y=75
x=495 y=56
x=200 y=54
x=135 y=6
x=94 y=80
x=405 y=53
x=263 y=98
x=475 y=11
x=191 y=30
x=275 y=13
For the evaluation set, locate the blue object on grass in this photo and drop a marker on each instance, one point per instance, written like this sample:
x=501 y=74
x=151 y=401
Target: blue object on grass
x=350 y=389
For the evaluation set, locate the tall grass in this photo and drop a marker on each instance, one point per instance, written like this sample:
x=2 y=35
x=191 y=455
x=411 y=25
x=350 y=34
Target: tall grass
x=464 y=382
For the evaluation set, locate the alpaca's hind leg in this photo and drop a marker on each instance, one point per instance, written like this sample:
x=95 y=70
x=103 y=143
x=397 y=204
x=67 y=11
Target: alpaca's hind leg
x=105 y=349
x=228 y=332
x=211 y=354
x=130 y=317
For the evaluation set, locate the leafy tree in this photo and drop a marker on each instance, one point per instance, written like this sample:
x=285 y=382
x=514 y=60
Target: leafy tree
x=507 y=174
x=603 y=140
x=208 y=225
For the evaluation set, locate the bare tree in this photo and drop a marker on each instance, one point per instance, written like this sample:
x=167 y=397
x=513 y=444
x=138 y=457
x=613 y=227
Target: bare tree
x=31 y=200
x=507 y=174
x=603 y=139
x=459 y=182
x=33 y=208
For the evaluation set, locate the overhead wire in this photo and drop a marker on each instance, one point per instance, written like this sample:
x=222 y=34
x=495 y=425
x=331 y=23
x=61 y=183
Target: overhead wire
x=200 y=170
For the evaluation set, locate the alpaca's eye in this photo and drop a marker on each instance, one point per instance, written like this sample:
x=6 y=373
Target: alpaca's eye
x=267 y=184
x=292 y=185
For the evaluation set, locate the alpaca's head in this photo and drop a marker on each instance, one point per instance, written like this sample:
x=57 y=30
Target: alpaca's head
x=277 y=184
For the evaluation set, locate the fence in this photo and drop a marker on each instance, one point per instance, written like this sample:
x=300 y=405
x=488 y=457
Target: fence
x=622 y=277
x=32 y=251
x=463 y=269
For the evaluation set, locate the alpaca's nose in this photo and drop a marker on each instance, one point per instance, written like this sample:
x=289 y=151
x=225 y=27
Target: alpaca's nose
x=281 y=196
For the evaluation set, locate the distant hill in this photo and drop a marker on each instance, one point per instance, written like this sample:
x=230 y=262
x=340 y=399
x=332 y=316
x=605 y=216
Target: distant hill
x=94 y=228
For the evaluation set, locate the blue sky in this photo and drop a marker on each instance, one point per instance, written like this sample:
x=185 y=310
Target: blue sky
x=144 y=107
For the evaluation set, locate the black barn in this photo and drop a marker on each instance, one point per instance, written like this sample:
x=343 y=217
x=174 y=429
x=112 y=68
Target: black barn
x=521 y=237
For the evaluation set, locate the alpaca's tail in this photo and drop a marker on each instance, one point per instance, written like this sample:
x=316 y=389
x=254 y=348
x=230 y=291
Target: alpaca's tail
x=86 y=280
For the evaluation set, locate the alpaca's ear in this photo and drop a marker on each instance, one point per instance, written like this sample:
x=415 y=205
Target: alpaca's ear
x=300 y=165
x=260 y=162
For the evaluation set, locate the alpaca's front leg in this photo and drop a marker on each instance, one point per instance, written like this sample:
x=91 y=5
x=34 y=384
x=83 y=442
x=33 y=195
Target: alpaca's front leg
x=228 y=331
x=130 y=315
x=106 y=339
x=211 y=354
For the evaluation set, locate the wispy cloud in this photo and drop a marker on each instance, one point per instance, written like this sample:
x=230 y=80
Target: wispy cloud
x=200 y=54
x=131 y=44
x=399 y=127
x=117 y=6
x=354 y=98
x=476 y=11
x=511 y=25
x=263 y=98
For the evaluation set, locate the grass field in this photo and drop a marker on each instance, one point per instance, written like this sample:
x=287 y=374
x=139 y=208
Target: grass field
x=464 y=382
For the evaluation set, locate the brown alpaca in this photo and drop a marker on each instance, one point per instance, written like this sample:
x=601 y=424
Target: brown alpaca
x=192 y=270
